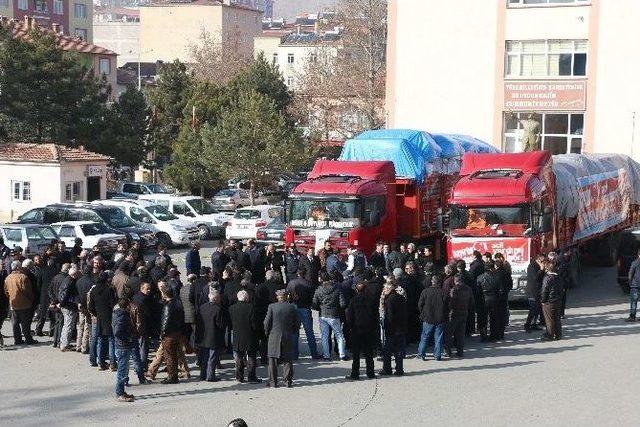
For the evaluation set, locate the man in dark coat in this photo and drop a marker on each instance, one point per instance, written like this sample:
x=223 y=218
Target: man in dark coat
x=245 y=343
x=211 y=343
x=362 y=318
x=280 y=325
x=503 y=272
x=489 y=284
x=171 y=327
x=412 y=285
x=291 y=262
x=460 y=300
x=192 y=259
x=273 y=259
x=434 y=314
x=376 y=260
x=83 y=334
x=147 y=306
x=311 y=264
x=301 y=291
x=535 y=273
x=392 y=259
x=49 y=271
x=395 y=329
x=551 y=299
x=100 y=303
x=56 y=282
x=219 y=260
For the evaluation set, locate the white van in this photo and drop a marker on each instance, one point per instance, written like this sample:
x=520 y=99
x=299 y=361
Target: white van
x=168 y=228
x=32 y=238
x=193 y=208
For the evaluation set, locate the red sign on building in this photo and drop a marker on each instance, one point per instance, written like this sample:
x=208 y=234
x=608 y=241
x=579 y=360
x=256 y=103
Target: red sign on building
x=545 y=95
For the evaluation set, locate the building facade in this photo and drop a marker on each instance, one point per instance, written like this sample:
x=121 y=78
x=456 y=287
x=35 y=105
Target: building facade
x=507 y=70
x=168 y=30
x=73 y=17
x=122 y=37
x=35 y=175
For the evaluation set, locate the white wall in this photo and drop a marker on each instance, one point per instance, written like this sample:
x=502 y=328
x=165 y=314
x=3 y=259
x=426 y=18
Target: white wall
x=45 y=187
x=617 y=94
x=121 y=37
x=531 y=23
x=77 y=172
x=445 y=66
x=301 y=54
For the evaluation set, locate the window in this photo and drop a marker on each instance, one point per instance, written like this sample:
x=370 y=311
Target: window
x=66 y=231
x=560 y=133
x=546 y=58
x=313 y=57
x=132 y=188
x=105 y=66
x=139 y=215
x=21 y=191
x=4 y=3
x=291 y=58
x=180 y=208
x=275 y=59
x=41 y=6
x=374 y=210
x=23 y=4
x=81 y=33
x=58 y=9
x=80 y=10
x=13 y=234
x=516 y=3
x=34 y=216
x=73 y=191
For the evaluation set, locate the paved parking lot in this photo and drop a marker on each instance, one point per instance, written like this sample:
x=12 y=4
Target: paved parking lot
x=589 y=378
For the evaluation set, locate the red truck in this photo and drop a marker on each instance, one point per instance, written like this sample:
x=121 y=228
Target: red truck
x=524 y=204
x=388 y=185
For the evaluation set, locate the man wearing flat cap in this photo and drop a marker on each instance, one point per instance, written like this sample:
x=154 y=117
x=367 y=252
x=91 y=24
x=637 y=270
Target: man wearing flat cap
x=280 y=325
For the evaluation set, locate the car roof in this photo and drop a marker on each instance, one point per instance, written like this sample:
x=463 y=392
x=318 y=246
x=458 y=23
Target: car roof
x=259 y=207
x=160 y=196
x=124 y=202
x=139 y=183
x=25 y=225
x=75 y=223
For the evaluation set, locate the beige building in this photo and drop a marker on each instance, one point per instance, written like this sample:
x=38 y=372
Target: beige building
x=490 y=68
x=81 y=19
x=121 y=37
x=167 y=30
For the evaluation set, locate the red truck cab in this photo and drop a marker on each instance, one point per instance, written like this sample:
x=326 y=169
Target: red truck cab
x=504 y=203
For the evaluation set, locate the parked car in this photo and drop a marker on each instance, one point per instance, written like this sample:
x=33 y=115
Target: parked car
x=210 y=223
x=168 y=228
x=272 y=233
x=32 y=238
x=110 y=215
x=626 y=252
x=92 y=234
x=135 y=189
x=233 y=198
x=247 y=221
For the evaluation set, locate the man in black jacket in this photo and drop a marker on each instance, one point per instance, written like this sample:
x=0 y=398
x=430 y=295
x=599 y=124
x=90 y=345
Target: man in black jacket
x=54 y=289
x=83 y=330
x=535 y=273
x=245 y=343
x=211 y=343
x=503 y=272
x=362 y=318
x=413 y=287
x=395 y=329
x=551 y=298
x=376 y=260
x=460 y=300
x=68 y=302
x=311 y=265
x=48 y=272
x=329 y=300
x=124 y=331
x=302 y=292
x=172 y=324
x=219 y=260
x=434 y=314
x=147 y=307
x=100 y=303
x=489 y=284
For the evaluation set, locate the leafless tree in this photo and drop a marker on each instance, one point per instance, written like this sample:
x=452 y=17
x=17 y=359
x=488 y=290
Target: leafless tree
x=218 y=59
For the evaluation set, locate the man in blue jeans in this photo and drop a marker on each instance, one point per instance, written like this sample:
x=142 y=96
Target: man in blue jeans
x=634 y=286
x=124 y=331
x=434 y=314
x=329 y=300
x=302 y=296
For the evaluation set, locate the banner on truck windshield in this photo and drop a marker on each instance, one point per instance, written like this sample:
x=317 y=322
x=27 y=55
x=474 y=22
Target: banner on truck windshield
x=604 y=201
x=515 y=250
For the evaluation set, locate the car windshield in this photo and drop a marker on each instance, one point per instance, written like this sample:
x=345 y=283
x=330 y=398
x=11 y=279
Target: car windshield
x=115 y=217
x=40 y=233
x=247 y=214
x=158 y=189
x=325 y=213
x=485 y=221
x=161 y=213
x=94 y=229
x=201 y=206
x=226 y=193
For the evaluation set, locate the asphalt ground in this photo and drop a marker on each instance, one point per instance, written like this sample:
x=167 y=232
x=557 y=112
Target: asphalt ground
x=590 y=377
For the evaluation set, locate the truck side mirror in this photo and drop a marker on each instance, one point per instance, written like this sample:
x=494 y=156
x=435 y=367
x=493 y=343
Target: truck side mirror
x=547 y=220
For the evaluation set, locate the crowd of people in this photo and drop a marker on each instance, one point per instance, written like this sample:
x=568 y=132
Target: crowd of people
x=251 y=302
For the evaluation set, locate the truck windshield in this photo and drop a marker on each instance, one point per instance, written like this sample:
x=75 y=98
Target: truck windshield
x=490 y=221
x=336 y=214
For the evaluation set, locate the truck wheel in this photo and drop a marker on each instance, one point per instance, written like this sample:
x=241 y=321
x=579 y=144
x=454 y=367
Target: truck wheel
x=164 y=239
x=203 y=231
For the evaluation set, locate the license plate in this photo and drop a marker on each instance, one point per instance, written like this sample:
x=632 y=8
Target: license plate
x=273 y=236
x=243 y=227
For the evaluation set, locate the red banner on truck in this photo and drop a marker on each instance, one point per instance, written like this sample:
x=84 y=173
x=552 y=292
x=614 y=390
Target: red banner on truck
x=514 y=249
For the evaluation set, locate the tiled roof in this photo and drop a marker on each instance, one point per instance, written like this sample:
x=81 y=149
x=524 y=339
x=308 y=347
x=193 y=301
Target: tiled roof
x=20 y=30
x=47 y=153
x=200 y=3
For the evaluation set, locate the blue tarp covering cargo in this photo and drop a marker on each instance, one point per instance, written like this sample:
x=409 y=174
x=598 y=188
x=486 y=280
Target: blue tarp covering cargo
x=414 y=153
